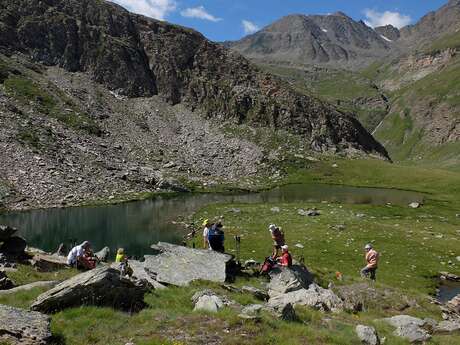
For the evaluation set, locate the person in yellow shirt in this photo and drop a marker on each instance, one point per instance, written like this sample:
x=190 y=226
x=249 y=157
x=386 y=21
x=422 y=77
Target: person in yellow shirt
x=121 y=257
x=372 y=260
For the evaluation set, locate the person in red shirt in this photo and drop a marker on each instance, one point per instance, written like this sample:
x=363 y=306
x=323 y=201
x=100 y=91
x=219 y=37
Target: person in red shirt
x=286 y=258
x=372 y=260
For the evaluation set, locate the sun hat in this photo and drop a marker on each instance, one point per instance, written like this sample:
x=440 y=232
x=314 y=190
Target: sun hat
x=205 y=222
x=285 y=247
x=272 y=227
x=368 y=246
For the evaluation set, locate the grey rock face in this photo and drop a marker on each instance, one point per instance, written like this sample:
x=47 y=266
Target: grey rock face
x=448 y=326
x=295 y=286
x=367 y=335
x=172 y=185
x=413 y=333
x=23 y=327
x=404 y=320
x=410 y=328
x=101 y=286
x=454 y=304
x=142 y=273
x=177 y=265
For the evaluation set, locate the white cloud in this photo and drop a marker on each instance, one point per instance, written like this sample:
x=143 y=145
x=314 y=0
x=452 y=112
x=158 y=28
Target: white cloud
x=249 y=27
x=200 y=13
x=375 y=18
x=157 y=9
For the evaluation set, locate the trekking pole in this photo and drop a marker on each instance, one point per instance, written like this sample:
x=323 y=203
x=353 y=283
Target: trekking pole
x=237 y=245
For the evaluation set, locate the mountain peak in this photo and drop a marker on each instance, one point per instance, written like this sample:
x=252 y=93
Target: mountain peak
x=341 y=14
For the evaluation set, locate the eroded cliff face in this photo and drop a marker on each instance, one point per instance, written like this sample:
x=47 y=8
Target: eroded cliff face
x=139 y=56
x=98 y=103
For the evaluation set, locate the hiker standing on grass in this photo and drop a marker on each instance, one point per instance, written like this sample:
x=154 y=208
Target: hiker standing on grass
x=216 y=237
x=207 y=226
x=277 y=237
x=372 y=259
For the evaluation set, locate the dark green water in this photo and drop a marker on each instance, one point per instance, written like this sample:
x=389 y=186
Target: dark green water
x=136 y=225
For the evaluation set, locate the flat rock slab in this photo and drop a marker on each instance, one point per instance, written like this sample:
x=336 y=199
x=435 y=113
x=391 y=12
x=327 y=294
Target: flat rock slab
x=177 y=265
x=139 y=272
x=49 y=263
x=23 y=327
x=102 y=287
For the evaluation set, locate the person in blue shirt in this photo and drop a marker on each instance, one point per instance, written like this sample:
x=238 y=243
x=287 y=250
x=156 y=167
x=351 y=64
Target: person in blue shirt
x=216 y=237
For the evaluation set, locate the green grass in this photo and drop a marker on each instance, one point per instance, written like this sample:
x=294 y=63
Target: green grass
x=27 y=274
x=57 y=105
x=449 y=41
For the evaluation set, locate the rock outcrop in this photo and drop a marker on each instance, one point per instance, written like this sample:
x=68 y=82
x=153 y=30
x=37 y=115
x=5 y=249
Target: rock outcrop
x=101 y=286
x=177 y=265
x=413 y=329
x=23 y=327
x=295 y=286
x=367 y=335
x=140 y=56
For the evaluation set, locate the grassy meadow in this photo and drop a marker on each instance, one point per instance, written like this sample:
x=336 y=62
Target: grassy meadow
x=415 y=245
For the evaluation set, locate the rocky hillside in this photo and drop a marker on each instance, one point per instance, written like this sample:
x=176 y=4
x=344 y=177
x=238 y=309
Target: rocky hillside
x=333 y=40
x=99 y=103
x=406 y=94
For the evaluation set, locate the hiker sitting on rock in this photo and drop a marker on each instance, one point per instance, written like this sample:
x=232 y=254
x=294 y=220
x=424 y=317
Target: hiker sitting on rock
x=216 y=237
x=278 y=239
x=122 y=259
x=286 y=258
x=81 y=256
x=372 y=259
x=207 y=225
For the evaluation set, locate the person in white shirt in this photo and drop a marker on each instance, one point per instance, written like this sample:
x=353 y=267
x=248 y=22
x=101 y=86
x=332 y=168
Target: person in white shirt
x=77 y=253
x=207 y=226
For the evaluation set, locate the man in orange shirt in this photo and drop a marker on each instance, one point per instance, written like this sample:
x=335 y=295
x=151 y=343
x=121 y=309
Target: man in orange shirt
x=372 y=260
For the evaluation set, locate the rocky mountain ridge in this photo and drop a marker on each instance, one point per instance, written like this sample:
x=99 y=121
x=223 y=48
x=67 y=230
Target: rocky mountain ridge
x=334 y=40
x=98 y=103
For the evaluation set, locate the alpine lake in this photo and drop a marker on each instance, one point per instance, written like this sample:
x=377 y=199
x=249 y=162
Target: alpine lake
x=136 y=225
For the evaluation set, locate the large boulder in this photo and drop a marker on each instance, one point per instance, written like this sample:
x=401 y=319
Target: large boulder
x=6 y=232
x=413 y=333
x=23 y=327
x=177 y=265
x=102 y=287
x=13 y=246
x=413 y=329
x=295 y=286
x=367 y=335
x=454 y=304
x=448 y=326
x=283 y=280
x=49 y=263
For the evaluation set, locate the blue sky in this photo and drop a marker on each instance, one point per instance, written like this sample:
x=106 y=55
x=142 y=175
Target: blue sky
x=221 y=20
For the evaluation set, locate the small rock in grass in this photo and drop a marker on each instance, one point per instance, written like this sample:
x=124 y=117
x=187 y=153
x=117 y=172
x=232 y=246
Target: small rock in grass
x=275 y=209
x=209 y=303
x=414 y=205
x=367 y=335
x=298 y=245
